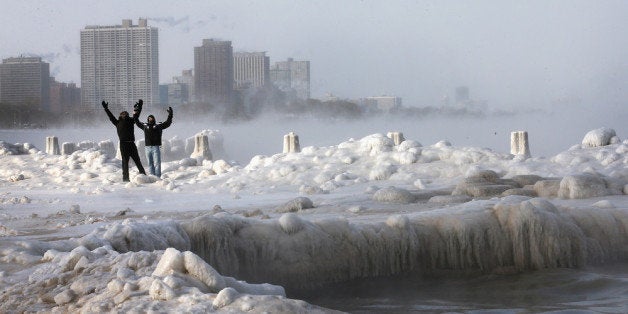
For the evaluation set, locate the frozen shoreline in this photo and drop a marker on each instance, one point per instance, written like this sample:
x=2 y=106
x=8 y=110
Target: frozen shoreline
x=376 y=210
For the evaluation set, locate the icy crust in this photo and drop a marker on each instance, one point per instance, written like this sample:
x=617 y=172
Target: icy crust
x=170 y=281
x=513 y=234
x=134 y=265
x=17 y=148
x=96 y=273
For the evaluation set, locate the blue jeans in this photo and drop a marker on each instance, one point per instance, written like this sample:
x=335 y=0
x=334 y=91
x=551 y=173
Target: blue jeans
x=153 y=155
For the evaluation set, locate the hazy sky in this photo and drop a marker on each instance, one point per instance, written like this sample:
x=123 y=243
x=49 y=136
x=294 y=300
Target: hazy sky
x=507 y=52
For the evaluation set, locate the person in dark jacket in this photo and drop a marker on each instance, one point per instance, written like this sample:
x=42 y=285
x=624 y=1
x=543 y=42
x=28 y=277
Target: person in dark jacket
x=126 y=135
x=152 y=138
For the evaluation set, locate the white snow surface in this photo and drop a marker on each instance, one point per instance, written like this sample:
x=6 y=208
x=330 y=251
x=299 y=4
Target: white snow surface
x=216 y=236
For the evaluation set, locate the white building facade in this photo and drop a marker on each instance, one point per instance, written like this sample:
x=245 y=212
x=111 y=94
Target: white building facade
x=119 y=64
x=250 y=69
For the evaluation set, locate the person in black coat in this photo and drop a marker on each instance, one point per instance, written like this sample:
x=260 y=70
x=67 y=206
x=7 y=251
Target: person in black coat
x=126 y=135
x=152 y=138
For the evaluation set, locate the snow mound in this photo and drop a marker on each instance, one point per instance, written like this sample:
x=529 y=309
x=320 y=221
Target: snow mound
x=295 y=205
x=394 y=195
x=104 y=280
x=375 y=144
x=134 y=236
x=600 y=137
x=291 y=223
x=17 y=149
x=582 y=186
x=225 y=297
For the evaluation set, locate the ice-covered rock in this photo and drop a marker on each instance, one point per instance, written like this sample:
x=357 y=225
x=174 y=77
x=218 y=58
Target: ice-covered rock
x=225 y=297
x=547 y=187
x=291 y=223
x=295 y=205
x=394 y=195
x=600 y=137
x=582 y=186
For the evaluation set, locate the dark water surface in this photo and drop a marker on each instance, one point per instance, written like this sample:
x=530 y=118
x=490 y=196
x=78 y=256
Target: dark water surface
x=591 y=290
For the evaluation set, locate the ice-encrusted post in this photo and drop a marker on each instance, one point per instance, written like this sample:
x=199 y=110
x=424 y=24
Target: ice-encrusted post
x=108 y=148
x=519 y=144
x=291 y=143
x=397 y=137
x=52 y=145
x=201 y=147
x=68 y=148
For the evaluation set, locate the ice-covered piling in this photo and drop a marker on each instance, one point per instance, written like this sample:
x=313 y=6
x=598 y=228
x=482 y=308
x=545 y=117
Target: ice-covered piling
x=68 y=148
x=291 y=143
x=52 y=145
x=397 y=137
x=201 y=147
x=107 y=147
x=519 y=144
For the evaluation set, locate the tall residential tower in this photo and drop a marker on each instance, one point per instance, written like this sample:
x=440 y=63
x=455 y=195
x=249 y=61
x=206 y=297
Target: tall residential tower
x=119 y=64
x=213 y=73
x=25 y=82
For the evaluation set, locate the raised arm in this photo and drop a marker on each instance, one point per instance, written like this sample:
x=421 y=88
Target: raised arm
x=113 y=119
x=168 y=121
x=137 y=109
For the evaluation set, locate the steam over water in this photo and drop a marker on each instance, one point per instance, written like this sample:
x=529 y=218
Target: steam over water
x=550 y=131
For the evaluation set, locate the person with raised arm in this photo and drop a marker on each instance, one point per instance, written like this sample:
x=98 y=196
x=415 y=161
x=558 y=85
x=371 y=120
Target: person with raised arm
x=152 y=139
x=126 y=135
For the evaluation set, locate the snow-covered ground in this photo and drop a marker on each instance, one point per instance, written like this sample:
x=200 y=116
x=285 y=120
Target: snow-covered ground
x=242 y=237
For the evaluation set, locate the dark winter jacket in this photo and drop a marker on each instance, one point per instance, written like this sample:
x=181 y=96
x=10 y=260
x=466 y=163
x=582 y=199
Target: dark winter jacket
x=152 y=131
x=124 y=126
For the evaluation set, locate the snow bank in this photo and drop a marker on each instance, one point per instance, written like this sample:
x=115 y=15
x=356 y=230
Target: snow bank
x=17 y=149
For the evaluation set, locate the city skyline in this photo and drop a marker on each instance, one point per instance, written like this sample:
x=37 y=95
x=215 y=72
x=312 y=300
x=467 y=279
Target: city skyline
x=508 y=53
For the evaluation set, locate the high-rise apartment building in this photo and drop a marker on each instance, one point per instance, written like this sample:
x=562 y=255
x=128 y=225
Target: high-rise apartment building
x=250 y=69
x=64 y=97
x=213 y=72
x=25 y=81
x=187 y=78
x=292 y=75
x=119 y=64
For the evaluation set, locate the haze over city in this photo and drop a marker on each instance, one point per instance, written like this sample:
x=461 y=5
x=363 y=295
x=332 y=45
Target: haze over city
x=534 y=54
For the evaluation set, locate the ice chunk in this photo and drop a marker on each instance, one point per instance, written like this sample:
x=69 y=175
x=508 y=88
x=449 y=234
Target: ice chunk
x=198 y=268
x=582 y=186
x=394 y=195
x=291 y=223
x=171 y=261
x=296 y=205
x=225 y=297
x=599 y=137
